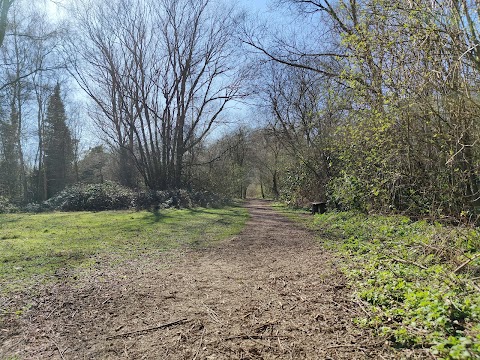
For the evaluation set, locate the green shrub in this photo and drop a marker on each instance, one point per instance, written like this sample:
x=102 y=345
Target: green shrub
x=345 y=193
x=92 y=197
x=111 y=196
x=209 y=199
x=6 y=206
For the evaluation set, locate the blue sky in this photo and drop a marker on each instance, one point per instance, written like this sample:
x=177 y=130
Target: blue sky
x=255 y=5
x=259 y=7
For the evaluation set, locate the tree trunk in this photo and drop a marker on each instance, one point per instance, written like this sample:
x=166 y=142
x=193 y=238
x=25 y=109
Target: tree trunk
x=275 y=191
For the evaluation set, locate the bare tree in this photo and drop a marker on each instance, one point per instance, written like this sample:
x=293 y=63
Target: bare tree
x=4 y=8
x=160 y=74
x=29 y=56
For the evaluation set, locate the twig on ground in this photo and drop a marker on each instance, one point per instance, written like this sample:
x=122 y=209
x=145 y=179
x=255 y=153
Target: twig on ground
x=108 y=299
x=159 y=327
x=199 y=345
x=58 y=348
x=257 y=337
x=213 y=315
x=409 y=263
x=361 y=306
x=460 y=267
x=51 y=312
x=280 y=344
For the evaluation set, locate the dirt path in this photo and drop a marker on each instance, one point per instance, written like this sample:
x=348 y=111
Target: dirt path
x=269 y=293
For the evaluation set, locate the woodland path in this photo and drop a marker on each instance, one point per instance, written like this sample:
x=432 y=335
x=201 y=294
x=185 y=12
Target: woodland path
x=271 y=292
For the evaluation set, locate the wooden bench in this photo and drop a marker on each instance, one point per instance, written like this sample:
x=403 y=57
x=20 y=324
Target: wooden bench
x=319 y=207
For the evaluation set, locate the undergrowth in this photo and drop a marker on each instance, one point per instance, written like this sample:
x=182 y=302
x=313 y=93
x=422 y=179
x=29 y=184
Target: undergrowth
x=419 y=282
x=112 y=196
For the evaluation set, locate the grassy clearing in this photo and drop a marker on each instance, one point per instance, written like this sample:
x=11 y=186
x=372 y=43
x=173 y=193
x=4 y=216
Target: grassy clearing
x=34 y=247
x=418 y=281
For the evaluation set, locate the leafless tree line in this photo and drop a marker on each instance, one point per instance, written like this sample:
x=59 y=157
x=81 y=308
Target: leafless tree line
x=30 y=66
x=160 y=74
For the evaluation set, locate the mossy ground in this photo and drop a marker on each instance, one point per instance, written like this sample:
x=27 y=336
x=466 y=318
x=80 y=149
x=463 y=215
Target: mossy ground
x=34 y=247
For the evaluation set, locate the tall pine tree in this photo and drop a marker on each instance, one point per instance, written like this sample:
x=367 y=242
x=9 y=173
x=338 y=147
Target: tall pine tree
x=58 y=155
x=9 y=166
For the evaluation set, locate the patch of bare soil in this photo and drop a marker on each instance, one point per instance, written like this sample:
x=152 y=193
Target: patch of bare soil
x=269 y=293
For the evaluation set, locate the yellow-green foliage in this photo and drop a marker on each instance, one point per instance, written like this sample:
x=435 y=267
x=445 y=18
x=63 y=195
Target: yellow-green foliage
x=32 y=246
x=411 y=276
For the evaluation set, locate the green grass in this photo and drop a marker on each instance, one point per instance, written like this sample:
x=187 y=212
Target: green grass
x=34 y=246
x=409 y=276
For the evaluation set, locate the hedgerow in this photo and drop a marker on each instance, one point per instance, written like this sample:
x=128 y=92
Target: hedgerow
x=111 y=196
x=91 y=197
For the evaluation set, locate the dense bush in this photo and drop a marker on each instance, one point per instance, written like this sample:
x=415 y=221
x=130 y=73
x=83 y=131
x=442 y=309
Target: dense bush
x=179 y=198
x=344 y=193
x=208 y=199
x=6 y=206
x=91 y=197
x=111 y=196
x=299 y=186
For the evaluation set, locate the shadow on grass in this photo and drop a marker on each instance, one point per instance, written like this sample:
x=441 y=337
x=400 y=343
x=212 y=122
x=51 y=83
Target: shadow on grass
x=8 y=218
x=155 y=216
x=201 y=211
x=230 y=211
